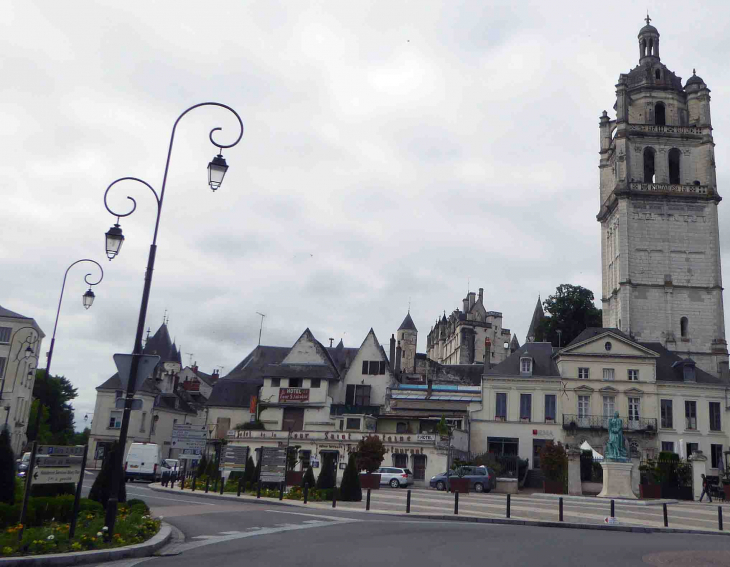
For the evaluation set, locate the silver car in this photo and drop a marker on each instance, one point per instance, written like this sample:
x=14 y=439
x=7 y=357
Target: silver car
x=395 y=477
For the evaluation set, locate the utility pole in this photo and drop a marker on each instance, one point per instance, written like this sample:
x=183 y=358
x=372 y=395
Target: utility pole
x=261 y=328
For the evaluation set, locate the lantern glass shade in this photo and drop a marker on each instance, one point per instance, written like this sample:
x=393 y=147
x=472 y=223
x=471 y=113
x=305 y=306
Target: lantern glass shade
x=88 y=298
x=114 y=241
x=217 y=171
x=28 y=351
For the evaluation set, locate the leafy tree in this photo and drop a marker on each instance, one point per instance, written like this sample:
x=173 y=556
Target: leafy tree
x=249 y=474
x=308 y=478
x=7 y=469
x=102 y=487
x=81 y=438
x=370 y=453
x=350 y=489
x=553 y=461
x=571 y=310
x=55 y=394
x=327 y=477
x=45 y=436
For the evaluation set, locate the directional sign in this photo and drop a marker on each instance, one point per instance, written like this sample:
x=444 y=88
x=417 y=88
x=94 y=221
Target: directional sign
x=56 y=450
x=234 y=458
x=273 y=464
x=187 y=431
x=147 y=364
x=119 y=404
x=58 y=461
x=56 y=475
x=198 y=444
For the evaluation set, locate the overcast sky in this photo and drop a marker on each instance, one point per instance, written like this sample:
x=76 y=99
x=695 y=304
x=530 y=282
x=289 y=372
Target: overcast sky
x=393 y=151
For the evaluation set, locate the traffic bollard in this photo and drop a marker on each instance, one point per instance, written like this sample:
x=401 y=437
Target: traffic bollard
x=207 y=484
x=508 y=505
x=258 y=489
x=334 y=497
x=222 y=484
x=215 y=485
x=367 y=504
x=456 y=502
x=172 y=484
x=238 y=493
x=719 y=518
x=408 y=502
x=182 y=483
x=281 y=491
x=666 y=517
x=306 y=492
x=613 y=509
x=561 y=508
x=195 y=480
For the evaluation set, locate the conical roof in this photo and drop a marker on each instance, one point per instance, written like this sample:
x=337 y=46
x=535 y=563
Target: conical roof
x=514 y=343
x=407 y=324
x=537 y=316
x=161 y=344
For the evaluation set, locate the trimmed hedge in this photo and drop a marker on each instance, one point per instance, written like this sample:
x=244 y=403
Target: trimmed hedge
x=45 y=508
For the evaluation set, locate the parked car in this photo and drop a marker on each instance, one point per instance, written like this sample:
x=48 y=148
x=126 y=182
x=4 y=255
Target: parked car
x=481 y=479
x=23 y=465
x=395 y=477
x=143 y=462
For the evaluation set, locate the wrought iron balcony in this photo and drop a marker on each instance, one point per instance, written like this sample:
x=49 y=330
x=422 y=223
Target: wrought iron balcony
x=600 y=422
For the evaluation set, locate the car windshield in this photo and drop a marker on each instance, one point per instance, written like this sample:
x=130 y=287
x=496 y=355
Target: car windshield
x=408 y=471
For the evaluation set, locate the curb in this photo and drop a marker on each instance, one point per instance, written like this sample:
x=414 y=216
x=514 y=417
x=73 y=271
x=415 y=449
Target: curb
x=569 y=498
x=474 y=519
x=144 y=549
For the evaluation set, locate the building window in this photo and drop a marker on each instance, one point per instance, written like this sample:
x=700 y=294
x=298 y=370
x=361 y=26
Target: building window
x=609 y=406
x=295 y=382
x=143 y=421
x=526 y=365
x=401 y=427
x=692 y=448
x=584 y=373
x=649 y=165
x=357 y=395
x=715 y=420
x=550 y=402
x=503 y=445
x=660 y=113
x=633 y=375
x=5 y=335
x=275 y=382
x=608 y=346
x=684 y=327
x=501 y=408
x=526 y=406
x=315 y=382
x=608 y=374
x=374 y=367
x=353 y=423
x=668 y=446
x=716 y=456
x=667 y=414
x=584 y=404
x=382 y=367
x=674 y=170
x=658 y=74
x=115 y=420
x=690 y=413
x=634 y=410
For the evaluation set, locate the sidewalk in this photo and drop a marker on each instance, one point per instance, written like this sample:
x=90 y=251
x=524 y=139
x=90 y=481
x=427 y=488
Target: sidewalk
x=525 y=510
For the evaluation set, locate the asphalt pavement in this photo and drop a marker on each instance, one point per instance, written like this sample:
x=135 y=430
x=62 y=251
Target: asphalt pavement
x=262 y=533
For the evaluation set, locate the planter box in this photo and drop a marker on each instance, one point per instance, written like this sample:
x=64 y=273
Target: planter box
x=650 y=491
x=460 y=485
x=507 y=486
x=294 y=478
x=592 y=488
x=553 y=486
x=371 y=481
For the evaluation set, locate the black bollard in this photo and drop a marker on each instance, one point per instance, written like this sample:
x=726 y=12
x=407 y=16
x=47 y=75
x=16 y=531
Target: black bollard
x=281 y=491
x=195 y=480
x=222 y=484
x=456 y=502
x=182 y=483
x=613 y=509
x=367 y=503
x=508 y=505
x=215 y=485
x=408 y=502
x=207 y=484
x=334 y=497
x=239 y=486
x=172 y=483
x=306 y=492
x=719 y=518
x=561 y=508
x=666 y=517
x=258 y=489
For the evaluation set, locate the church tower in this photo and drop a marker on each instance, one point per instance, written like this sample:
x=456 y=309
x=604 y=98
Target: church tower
x=660 y=246
x=407 y=337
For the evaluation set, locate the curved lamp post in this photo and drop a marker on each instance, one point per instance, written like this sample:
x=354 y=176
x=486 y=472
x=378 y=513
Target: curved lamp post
x=32 y=340
x=114 y=239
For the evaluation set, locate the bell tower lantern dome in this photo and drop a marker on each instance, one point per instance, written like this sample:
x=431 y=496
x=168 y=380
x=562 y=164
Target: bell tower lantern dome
x=648 y=43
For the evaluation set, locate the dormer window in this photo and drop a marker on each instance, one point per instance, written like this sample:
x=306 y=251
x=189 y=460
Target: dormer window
x=526 y=365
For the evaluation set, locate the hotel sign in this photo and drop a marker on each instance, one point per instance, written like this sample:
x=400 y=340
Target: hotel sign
x=293 y=394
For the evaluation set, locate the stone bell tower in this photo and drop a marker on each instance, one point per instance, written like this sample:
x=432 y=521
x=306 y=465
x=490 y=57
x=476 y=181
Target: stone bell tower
x=660 y=247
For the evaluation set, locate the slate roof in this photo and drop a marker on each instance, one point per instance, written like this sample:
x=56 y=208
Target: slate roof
x=407 y=324
x=537 y=315
x=11 y=314
x=207 y=378
x=114 y=383
x=514 y=343
x=591 y=332
x=161 y=344
x=542 y=361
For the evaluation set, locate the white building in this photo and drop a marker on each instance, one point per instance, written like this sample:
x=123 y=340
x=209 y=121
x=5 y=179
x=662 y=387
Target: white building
x=20 y=349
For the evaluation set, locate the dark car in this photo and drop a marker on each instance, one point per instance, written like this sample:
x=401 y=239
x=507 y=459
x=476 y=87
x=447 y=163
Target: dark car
x=481 y=479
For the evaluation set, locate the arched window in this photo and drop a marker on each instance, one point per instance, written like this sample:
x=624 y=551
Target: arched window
x=648 y=165
x=674 y=157
x=659 y=114
x=658 y=74
x=684 y=327
x=643 y=48
x=651 y=47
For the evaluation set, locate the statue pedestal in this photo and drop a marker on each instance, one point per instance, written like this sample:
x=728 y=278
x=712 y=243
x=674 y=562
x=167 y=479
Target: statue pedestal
x=617 y=480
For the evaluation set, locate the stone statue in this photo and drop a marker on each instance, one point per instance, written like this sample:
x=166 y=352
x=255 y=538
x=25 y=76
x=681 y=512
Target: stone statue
x=615 y=450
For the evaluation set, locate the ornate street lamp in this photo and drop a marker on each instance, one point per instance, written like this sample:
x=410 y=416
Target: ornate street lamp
x=216 y=172
x=88 y=298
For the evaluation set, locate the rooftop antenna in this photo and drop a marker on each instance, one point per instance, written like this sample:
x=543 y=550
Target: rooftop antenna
x=262 y=325
x=331 y=341
x=164 y=317
x=190 y=354
x=409 y=304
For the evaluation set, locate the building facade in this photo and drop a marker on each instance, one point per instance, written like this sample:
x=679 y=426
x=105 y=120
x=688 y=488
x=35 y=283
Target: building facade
x=660 y=245
x=20 y=350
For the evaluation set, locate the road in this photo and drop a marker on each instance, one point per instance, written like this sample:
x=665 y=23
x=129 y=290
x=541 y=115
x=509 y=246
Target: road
x=233 y=533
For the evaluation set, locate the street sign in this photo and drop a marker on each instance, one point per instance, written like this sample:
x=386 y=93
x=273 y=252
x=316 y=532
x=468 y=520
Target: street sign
x=273 y=464
x=77 y=450
x=56 y=475
x=234 y=458
x=58 y=461
x=198 y=444
x=147 y=364
x=136 y=404
x=187 y=431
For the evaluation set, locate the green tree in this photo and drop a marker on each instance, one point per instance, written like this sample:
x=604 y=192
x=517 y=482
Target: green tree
x=249 y=475
x=7 y=469
x=81 y=438
x=308 y=478
x=102 y=487
x=55 y=394
x=350 y=489
x=370 y=453
x=571 y=310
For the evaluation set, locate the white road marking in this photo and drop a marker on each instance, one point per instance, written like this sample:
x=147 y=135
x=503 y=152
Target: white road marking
x=173 y=499
x=338 y=518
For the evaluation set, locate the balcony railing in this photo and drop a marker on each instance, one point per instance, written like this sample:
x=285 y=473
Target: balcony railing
x=345 y=409
x=600 y=422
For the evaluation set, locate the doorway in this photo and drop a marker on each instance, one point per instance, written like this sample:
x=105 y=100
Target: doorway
x=293 y=419
x=537 y=445
x=419 y=467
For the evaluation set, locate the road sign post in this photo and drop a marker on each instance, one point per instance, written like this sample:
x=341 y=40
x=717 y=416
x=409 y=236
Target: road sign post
x=72 y=529
x=28 y=476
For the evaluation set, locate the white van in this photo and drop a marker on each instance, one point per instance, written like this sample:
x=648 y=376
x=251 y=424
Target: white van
x=144 y=461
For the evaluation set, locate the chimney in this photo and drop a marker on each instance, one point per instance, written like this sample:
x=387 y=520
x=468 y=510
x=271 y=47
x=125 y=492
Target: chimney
x=487 y=354
x=472 y=299
x=398 y=352
x=481 y=295
x=392 y=351
x=331 y=341
x=215 y=375
x=466 y=304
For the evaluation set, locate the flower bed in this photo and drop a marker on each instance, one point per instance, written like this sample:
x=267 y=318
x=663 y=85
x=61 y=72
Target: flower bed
x=133 y=525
